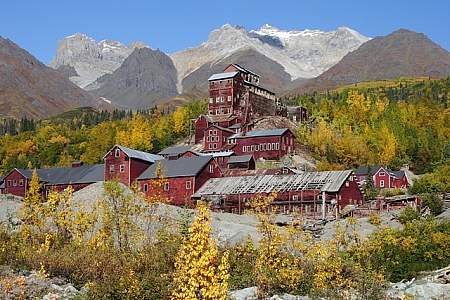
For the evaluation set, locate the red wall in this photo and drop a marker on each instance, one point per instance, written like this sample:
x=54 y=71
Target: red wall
x=220 y=138
x=389 y=181
x=61 y=187
x=286 y=144
x=200 y=126
x=17 y=190
x=127 y=176
x=177 y=193
x=349 y=194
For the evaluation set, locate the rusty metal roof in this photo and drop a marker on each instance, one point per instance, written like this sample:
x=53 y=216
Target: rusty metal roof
x=328 y=181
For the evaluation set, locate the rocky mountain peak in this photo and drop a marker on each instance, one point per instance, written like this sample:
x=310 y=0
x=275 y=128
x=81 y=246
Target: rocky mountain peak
x=89 y=58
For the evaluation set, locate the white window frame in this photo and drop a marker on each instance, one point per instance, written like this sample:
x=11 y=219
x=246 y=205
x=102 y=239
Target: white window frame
x=117 y=153
x=382 y=173
x=111 y=169
x=122 y=168
x=21 y=182
x=211 y=169
x=382 y=183
x=166 y=186
x=188 y=185
x=229 y=98
x=145 y=187
x=14 y=182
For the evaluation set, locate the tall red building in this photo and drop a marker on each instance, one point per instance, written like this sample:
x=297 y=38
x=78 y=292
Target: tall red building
x=235 y=100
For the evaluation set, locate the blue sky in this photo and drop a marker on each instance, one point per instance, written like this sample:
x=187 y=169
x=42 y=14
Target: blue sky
x=174 y=25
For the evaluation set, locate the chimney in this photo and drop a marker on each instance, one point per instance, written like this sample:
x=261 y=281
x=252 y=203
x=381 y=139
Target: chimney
x=77 y=164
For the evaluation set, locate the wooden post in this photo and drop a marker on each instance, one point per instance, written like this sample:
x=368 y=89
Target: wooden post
x=323 y=206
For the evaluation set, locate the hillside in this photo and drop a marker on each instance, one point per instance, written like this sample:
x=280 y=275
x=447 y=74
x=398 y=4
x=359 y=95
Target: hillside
x=402 y=53
x=394 y=123
x=28 y=88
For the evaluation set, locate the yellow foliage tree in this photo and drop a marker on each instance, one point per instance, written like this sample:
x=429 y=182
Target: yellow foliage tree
x=136 y=134
x=180 y=119
x=197 y=274
x=388 y=145
x=32 y=209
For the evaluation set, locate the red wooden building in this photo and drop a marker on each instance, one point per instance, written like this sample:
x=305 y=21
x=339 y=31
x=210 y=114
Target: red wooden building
x=216 y=137
x=16 y=182
x=180 y=178
x=268 y=144
x=125 y=164
x=318 y=193
x=382 y=177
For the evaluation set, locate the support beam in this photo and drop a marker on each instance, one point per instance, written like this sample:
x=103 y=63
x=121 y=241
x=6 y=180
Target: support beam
x=323 y=206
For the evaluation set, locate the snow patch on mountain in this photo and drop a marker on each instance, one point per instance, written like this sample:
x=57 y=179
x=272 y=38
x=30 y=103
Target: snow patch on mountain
x=303 y=54
x=91 y=59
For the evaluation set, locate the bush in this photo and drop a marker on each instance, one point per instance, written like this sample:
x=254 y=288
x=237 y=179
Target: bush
x=408 y=214
x=374 y=219
x=433 y=202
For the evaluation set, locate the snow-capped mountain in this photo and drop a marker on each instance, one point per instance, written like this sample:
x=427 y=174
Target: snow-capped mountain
x=280 y=55
x=89 y=58
x=303 y=54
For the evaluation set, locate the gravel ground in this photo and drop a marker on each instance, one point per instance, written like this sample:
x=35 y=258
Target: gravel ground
x=227 y=228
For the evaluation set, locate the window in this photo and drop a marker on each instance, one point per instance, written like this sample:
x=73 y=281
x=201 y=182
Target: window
x=211 y=100
x=257 y=147
x=111 y=168
x=382 y=174
x=277 y=146
x=381 y=183
x=166 y=186
x=229 y=98
x=269 y=147
x=209 y=146
x=215 y=132
x=14 y=182
x=273 y=146
x=210 y=132
x=21 y=182
x=9 y=183
x=122 y=168
x=295 y=197
x=188 y=185
x=145 y=188
x=211 y=169
x=252 y=148
x=117 y=153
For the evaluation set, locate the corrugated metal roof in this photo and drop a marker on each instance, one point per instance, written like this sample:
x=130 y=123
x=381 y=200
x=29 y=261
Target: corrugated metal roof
x=329 y=181
x=189 y=166
x=175 y=150
x=260 y=133
x=240 y=159
x=82 y=174
x=216 y=154
x=219 y=76
x=140 y=154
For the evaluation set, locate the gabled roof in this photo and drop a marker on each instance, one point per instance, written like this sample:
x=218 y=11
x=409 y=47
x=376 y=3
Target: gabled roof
x=182 y=167
x=364 y=171
x=137 y=154
x=219 y=76
x=220 y=128
x=328 y=181
x=260 y=133
x=82 y=174
x=175 y=150
x=240 y=159
x=242 y=69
